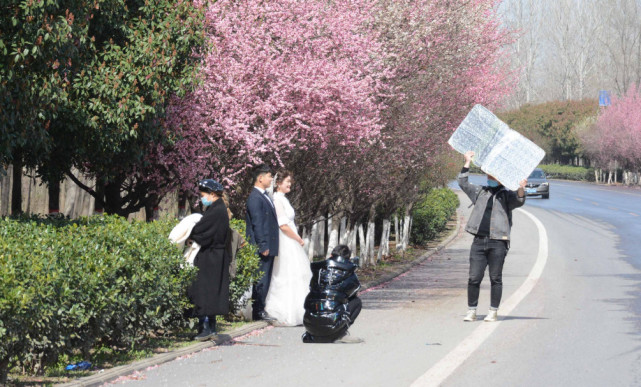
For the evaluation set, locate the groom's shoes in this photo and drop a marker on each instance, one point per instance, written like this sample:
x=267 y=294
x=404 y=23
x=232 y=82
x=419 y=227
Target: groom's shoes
x=262 y=315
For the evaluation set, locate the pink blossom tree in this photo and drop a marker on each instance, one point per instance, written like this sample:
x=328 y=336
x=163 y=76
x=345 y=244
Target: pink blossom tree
x=357 y=98
x=281 y=78
x=615 y=139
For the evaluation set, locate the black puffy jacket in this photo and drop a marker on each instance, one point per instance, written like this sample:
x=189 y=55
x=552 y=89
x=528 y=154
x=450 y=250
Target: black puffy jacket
x=332 y=285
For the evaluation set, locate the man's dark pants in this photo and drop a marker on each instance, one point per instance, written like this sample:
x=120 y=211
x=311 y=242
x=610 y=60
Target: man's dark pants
x=261 y=287
x=486 y=252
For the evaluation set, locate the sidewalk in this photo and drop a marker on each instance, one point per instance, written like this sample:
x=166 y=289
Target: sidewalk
x=114 y=373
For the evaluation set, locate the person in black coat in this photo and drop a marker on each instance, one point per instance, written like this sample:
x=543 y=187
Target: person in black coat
x=210 y=291
x=263 y=231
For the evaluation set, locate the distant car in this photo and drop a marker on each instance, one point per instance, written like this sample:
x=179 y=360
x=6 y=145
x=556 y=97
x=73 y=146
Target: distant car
x=537 y=184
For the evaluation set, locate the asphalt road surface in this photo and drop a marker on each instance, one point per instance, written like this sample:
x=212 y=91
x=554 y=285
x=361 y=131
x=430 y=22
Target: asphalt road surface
x=570 y=315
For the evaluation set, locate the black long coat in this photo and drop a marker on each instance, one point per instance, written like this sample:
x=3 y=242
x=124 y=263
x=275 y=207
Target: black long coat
x=210 y=291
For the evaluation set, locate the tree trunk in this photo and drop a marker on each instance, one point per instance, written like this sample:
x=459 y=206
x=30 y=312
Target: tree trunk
x=351 y=242
x=4 y=369
x=99 y=203
x=182 y=205
x=370 y=241
x=320 y=243
x=334 y=225
x=6 y=191
x=305 y=236
x=16 y=189
x=343 y=231
x=32 y=183
x=113 y=201
x=383 y=249
x=406 y=229
x=313 y=240
x=363 y=245
x=151 y=209
x=54 y=197
x=397 y=233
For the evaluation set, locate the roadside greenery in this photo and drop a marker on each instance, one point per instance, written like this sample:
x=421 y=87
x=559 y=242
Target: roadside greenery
x=70 y=287
x=247 y=263
x=431 y=213
x=554 y=126
x=567 y=172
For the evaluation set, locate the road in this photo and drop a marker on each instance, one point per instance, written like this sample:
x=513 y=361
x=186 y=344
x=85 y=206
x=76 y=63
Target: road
x=571 y=314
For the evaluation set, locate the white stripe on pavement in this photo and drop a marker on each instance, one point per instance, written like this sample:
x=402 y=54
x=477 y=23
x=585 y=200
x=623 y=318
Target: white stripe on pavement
x=447 y=365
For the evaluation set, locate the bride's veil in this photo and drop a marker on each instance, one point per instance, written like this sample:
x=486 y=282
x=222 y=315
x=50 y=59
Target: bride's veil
x=272 y=187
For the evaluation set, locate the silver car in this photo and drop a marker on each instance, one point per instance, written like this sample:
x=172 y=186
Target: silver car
x=537 y=184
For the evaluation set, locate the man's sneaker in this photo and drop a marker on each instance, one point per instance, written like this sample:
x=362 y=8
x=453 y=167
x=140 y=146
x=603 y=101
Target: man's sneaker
x=491 y=316
x=470 y=315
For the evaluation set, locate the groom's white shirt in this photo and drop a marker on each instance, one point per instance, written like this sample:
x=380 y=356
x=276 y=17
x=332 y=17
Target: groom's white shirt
x=262 y=192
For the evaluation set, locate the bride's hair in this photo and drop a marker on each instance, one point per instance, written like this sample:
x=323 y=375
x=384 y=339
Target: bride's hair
x=281 y=176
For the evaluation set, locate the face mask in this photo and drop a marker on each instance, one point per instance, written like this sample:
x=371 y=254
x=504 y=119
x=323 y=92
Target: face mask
x=206 y=202
x=492 y=183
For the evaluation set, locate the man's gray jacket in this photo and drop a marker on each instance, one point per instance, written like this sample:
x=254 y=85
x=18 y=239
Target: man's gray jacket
x=501 y=219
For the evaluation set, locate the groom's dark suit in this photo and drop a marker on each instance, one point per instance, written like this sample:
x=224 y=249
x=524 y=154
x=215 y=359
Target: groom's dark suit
x=262 y=230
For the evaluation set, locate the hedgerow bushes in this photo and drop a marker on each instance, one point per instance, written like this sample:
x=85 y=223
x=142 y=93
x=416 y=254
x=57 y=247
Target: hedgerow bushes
x=67 y=286
x=430 y=215
x=567 y=172
x=247 y=263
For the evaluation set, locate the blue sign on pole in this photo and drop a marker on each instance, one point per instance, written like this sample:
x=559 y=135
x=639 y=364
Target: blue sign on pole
x=604 y=98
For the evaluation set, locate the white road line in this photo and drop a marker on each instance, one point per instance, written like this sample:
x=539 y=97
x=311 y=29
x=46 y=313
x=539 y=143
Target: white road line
x=447 y=365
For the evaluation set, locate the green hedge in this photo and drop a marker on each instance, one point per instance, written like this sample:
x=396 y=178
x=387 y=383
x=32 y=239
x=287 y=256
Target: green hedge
x=67 y=286
x=431 y=213
x=247 y=263
x=568 y=172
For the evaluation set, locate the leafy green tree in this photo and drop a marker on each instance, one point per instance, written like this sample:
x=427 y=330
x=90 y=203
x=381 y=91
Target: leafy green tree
x=39 y=44
x=553 y=126
x=85 y=84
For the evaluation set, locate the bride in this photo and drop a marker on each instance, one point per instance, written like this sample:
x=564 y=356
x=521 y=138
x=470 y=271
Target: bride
x=291 y=274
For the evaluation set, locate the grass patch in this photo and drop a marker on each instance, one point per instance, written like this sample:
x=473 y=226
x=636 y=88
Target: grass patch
x=105 y=357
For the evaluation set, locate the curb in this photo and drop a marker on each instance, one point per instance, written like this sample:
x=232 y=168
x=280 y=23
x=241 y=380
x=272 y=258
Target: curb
x=116 y=372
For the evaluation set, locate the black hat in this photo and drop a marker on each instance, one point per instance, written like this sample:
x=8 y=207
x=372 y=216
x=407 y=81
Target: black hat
x=210 y=185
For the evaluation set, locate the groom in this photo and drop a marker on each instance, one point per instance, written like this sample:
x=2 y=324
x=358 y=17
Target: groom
x=262 y=231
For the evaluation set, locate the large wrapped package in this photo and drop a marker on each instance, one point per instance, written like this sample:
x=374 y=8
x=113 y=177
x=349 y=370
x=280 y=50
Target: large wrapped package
x=327 y=306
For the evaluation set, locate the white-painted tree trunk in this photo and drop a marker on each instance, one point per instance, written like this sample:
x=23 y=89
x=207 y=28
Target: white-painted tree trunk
x=333 y=235
x=306 y=238
x=319 y=249
x=342 y=238
x=363 y=246
x=379 y=253
x=351 y=241
x=401 y=236
x=406 y=231
x=383 y=249
x=369 y=240
x=310 y=245
x=397 y=232
x=405 y=237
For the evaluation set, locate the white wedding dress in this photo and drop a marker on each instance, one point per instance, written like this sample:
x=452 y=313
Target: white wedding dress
x=291 y=273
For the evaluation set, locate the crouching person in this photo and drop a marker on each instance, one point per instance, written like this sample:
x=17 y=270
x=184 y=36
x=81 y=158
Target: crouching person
x=332 y=304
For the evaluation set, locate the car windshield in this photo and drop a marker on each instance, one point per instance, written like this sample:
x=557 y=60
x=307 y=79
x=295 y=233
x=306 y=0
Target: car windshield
x=537 y=175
